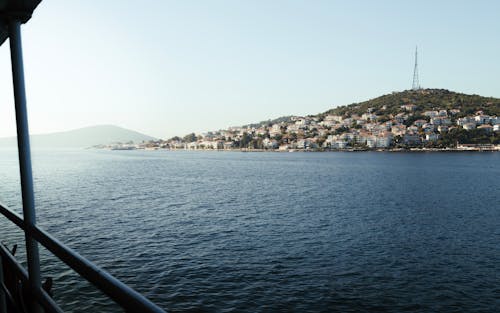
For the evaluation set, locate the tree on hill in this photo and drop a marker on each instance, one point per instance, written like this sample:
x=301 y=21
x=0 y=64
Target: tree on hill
x=473 y=136
x=245 y=140
x=190 y=137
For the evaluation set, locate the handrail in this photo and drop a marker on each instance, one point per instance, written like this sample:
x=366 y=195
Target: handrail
x=12 y=216
x=12 y=14
x=45 y=300
x=122 y=294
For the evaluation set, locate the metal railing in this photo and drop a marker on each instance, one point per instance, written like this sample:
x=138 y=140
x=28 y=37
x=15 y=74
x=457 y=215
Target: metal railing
x=7 y=261
x=126 y=297
x=28 y=282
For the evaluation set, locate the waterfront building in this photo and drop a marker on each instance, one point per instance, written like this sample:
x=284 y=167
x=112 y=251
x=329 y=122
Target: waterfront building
x=411 y=138
x=371 y=141
x=431 y=137
x=384 y=140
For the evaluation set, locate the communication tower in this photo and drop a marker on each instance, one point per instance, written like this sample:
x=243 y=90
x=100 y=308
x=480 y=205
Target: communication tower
x=416 y=84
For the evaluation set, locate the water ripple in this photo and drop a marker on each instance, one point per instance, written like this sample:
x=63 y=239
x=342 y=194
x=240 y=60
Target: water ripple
x=236 y=232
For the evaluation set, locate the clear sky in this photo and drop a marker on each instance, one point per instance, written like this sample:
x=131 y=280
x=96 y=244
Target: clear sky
x=171 y=67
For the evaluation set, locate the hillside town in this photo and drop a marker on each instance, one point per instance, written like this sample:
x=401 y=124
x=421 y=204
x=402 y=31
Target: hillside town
x=372 y=130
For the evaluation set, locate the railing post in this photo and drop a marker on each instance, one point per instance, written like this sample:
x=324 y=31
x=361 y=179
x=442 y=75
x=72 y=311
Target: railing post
x=3 y=301
x=23 y=144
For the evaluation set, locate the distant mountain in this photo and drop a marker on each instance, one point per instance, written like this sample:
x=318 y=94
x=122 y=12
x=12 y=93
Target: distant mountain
x=82 y=137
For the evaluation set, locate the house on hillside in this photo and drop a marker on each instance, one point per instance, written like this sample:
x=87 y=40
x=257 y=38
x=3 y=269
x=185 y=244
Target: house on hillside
x=419 y=123
x=442 y=113
x=442 y=128
x=409 y=107
x=411 y=138
x=398 y=130
x=487 y=128
x=440 y=120
x=482 y=119
x=431 y=137
x=431 y=113
x=469 y=126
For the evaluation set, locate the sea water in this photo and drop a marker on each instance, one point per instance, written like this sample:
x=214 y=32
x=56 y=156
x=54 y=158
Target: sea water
x=271 y=232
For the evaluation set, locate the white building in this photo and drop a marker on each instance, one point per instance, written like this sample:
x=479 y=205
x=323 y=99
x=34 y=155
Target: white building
x=464 y=120
x=440 y=120
x=469 y=126
x=270 y=143
x=431 y=137
x=482 y=119
x=339 y=144
x=398 y=130
x=442 y=113
x=411 y=138
x=419 y=123
x=371 y=141
x=384 y=140
x=409 y=107
x=275 y=130
x=442 y=128
x=486 y=128
x=431 y=113
x=333 y=118
x=370 y=116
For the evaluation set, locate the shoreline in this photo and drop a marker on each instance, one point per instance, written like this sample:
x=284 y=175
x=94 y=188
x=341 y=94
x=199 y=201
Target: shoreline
x=411 y=150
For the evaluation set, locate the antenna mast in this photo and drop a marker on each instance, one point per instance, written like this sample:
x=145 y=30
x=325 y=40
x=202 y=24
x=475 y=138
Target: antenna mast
x=416 y=84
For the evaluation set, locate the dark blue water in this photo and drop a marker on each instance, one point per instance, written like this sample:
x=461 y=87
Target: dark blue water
x=273 y=232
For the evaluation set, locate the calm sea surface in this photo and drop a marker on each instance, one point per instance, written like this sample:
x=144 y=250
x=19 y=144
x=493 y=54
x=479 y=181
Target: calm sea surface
x=271 y=232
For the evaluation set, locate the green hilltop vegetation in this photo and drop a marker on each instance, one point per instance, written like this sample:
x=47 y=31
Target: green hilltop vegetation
x=425 y=100
x=282 y=119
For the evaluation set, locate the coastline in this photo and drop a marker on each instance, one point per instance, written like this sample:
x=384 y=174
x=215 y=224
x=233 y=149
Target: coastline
x=400 y=150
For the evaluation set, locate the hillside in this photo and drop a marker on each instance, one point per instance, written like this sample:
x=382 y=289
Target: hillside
x=426 y=118
x=82 y=137
x=282 y=119
x=425 y=99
